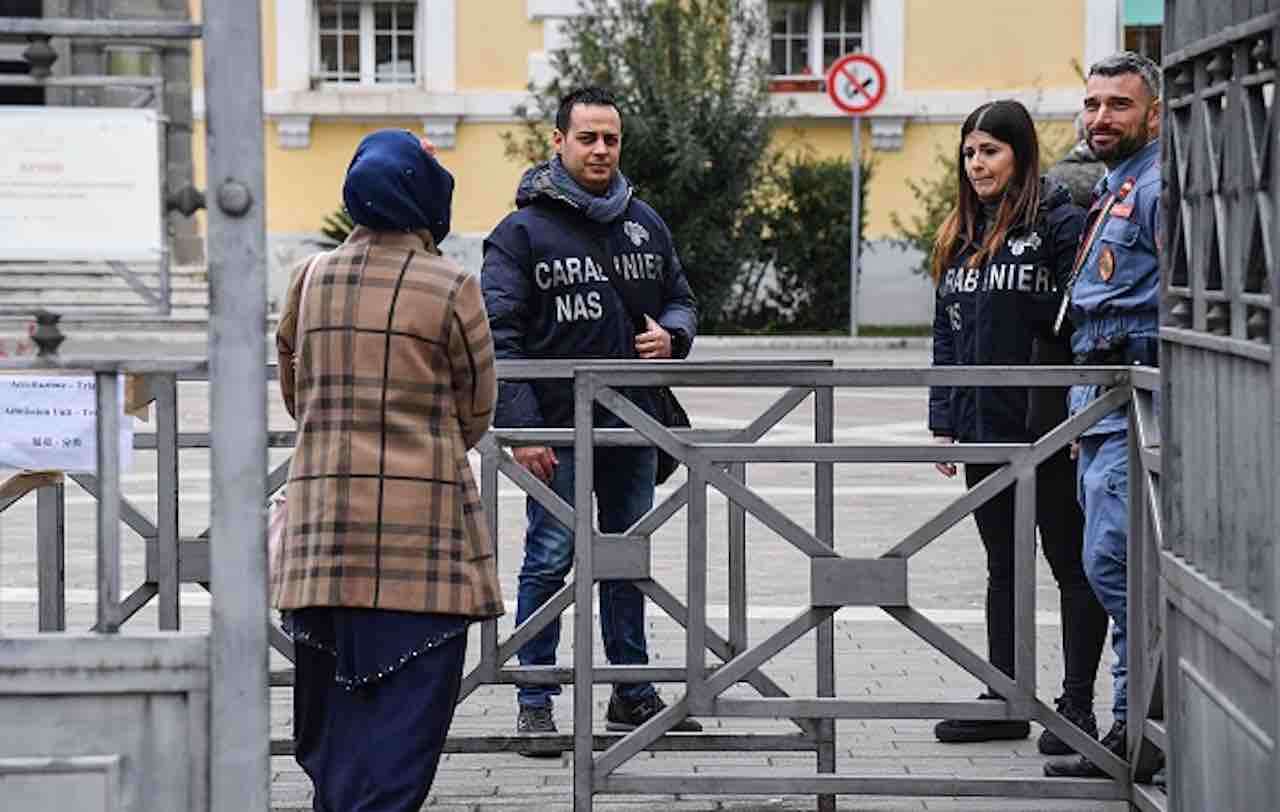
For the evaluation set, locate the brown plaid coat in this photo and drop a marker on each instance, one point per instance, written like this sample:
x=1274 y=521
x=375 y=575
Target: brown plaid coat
x=395 y=381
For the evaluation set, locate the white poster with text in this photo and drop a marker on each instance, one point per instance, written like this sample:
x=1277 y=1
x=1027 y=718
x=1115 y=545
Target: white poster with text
x=49 y=423
x=80 y=184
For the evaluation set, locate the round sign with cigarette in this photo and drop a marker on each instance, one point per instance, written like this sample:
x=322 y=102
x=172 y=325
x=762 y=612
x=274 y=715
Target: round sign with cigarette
x=856 y=83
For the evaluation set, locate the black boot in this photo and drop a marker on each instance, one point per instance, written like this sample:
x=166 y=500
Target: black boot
x=1081 y=766
x=957 y=731
x=1078 y=714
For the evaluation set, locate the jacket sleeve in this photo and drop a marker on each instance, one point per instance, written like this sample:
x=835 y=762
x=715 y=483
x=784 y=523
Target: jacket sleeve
x=506 y=298
x=287 y=338
x=940 y=422
x=680 y=307
x=475 y=383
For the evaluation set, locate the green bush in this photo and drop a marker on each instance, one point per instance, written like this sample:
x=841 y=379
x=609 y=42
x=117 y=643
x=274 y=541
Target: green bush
x=806 y=220
x=336 y=228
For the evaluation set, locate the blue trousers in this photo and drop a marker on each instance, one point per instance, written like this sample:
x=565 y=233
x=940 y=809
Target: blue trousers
x=1103 y=471
x=624 y=493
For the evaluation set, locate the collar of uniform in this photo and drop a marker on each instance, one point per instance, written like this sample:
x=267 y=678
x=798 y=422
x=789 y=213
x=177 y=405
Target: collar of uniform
x=404 y=240
x=1132 y=167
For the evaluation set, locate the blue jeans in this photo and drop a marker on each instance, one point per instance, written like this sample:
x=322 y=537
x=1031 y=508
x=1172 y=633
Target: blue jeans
x=624 y=493
x=1104 y=495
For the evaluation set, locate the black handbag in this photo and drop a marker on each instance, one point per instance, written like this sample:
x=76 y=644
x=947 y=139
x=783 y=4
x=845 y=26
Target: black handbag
x=668 y=410
x=672 y=415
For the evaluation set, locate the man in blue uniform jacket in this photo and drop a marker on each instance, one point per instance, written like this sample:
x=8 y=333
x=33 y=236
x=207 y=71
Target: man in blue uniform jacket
x=1115 y=306
x=558 y=274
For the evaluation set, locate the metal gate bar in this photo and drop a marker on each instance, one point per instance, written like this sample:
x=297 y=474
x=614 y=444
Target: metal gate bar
x=703 y=459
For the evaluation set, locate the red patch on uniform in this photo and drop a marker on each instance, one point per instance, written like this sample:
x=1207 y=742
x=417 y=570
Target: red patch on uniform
x=1106 y=265
x=1123 y=211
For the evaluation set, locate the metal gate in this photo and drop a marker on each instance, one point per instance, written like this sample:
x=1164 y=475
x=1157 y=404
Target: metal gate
x=172 y=720
x=1217 y=568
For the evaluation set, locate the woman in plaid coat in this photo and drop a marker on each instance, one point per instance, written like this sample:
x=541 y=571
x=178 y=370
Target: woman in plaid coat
x=386 y=557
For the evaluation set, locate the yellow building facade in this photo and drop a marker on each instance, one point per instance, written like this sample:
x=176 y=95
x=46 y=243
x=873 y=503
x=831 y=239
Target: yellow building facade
x=456 y=69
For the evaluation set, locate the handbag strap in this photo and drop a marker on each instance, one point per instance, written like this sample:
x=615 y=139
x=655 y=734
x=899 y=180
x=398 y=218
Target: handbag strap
x=299 y=330
x=600 y=252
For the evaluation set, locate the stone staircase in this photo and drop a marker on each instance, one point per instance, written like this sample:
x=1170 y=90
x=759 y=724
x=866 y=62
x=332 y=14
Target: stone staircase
x=94 y=300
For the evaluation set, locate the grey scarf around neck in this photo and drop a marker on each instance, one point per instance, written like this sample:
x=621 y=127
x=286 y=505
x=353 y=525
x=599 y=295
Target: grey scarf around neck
x=602 y=208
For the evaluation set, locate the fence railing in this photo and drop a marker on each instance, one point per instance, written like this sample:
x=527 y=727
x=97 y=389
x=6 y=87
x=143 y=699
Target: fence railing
x=720 y=459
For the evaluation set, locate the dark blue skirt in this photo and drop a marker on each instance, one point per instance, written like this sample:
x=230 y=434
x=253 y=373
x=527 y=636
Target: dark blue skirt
x=373 y=698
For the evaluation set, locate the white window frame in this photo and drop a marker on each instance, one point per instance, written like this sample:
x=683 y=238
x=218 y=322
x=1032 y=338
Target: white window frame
x=368 y=49
x=817 y=37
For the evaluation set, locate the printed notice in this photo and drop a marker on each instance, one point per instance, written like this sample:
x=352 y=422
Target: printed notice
x=50 y=424
x=80 y=184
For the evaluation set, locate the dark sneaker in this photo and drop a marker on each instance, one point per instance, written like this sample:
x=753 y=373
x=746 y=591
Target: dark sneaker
x=1079 y=715
x=629 y=714
x=1082 y=767
x=534 y=721
x=963 y=731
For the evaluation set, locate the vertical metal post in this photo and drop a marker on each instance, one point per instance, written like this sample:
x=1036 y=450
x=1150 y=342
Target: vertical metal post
x=1024 y=588
x=855 y=233
x=1273 y=505
x=824 y=523
x=239 y=730
x=1136 y=626
x=108 y=451
x=165 y=306
x=738 y=637
x=51 y=557
x=695 y=649
x=164 y=388
x=490 y=453
x=584 y=391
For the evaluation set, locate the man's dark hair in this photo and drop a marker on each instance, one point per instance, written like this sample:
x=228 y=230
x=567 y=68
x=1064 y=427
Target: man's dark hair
x=591 y=94
x=1127 y=62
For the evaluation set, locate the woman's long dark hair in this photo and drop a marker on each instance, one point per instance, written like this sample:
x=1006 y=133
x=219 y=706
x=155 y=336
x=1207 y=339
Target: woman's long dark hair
x=1008 y=121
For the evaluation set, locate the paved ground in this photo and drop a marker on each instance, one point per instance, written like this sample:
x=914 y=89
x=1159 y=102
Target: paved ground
x=876 y=506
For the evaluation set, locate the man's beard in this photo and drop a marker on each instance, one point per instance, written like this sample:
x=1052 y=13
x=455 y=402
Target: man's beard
x=1122 y=147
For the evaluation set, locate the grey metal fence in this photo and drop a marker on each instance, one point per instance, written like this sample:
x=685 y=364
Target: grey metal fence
x=1218 y=571
x=720 y=459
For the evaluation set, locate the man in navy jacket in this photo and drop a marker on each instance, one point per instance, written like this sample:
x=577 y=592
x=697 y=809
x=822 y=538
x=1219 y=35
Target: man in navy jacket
x=551 y=277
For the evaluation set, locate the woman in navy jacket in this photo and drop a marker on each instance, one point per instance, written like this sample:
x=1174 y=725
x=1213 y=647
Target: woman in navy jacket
x=1000 y=261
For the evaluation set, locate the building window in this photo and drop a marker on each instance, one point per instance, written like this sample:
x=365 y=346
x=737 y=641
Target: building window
x=806 y=36
x=366 y=42
x=1143 y=25
x=1145 y=40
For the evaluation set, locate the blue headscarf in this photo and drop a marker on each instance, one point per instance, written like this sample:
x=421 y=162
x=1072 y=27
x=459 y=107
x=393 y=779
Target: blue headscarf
x=394 y=185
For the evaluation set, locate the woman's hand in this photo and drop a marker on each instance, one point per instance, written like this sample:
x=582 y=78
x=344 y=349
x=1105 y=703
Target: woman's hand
x=947 y=469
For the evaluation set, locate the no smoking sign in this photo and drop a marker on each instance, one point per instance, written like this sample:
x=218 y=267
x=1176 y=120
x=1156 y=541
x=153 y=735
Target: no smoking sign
x=855 y=83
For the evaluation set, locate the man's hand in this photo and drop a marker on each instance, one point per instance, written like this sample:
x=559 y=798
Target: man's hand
x=947 y=469
x=1075 y=449
x=654 y=342
x=540 y=460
